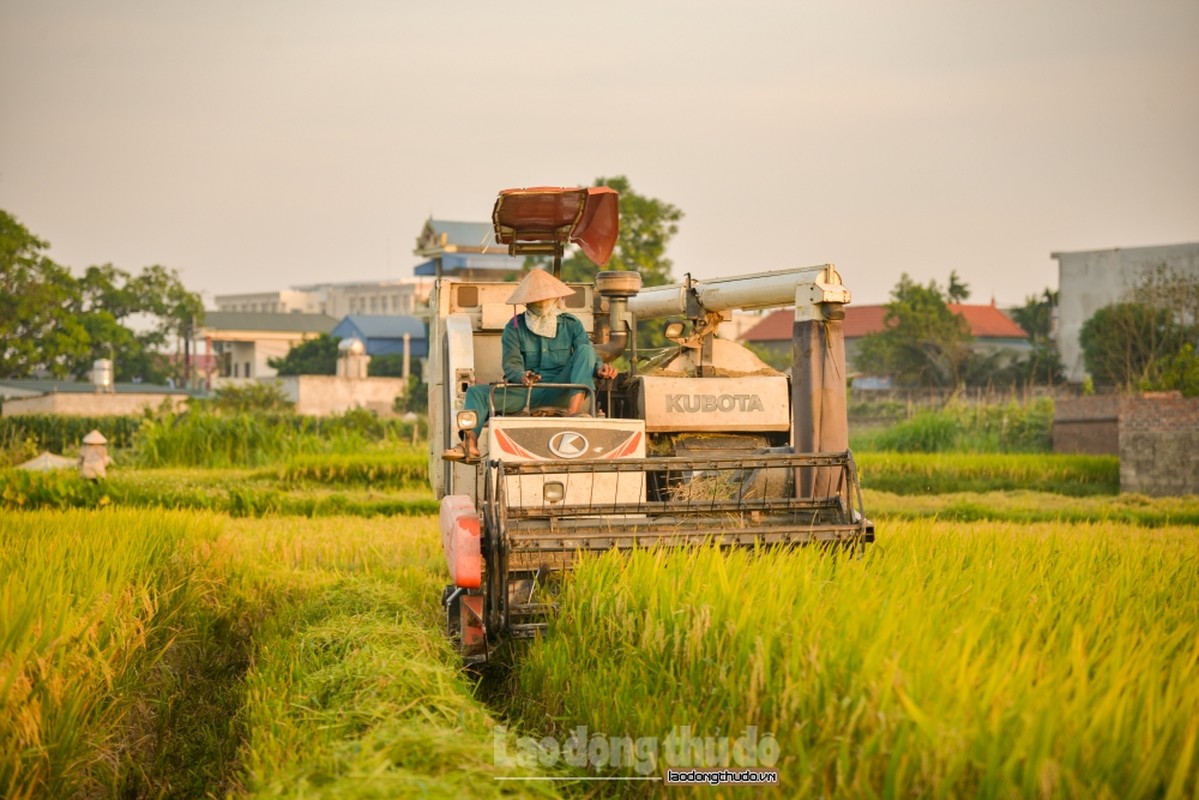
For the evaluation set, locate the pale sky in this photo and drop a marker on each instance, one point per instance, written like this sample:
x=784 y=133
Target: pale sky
x=258 y=144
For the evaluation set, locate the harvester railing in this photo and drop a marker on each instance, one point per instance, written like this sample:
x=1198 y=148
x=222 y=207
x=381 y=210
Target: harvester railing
x=737 y=484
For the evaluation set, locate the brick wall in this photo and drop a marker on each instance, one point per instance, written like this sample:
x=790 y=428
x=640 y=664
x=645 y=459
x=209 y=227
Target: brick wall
x=1087 y=425
x=1159 y=444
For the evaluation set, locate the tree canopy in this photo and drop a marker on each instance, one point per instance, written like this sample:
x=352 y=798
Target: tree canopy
x=1035 y=317
x=312 y=357
x=318 y=356
x=54 y=323
x=1147 y=342
x=1123 y=345
x=647 y=225
x=923 y=343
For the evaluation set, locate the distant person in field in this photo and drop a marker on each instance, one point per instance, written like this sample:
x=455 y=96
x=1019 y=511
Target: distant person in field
x=544 y=343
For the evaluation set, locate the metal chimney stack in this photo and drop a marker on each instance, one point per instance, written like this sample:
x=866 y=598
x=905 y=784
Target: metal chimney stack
x=102 y=375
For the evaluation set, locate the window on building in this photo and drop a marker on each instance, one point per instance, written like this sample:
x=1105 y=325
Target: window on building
x=235 y=369
x=247 y=369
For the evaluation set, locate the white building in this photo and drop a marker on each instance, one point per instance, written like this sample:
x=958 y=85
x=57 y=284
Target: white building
x=1092 y=279
x=286 y=301
x=403 y=296
x=243 y=342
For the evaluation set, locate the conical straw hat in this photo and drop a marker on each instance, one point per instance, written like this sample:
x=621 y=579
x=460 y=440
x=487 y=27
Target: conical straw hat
x=539 y=285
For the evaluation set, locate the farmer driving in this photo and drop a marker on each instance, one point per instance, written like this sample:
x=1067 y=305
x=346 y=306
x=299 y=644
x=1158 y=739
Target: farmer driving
x=543 y=344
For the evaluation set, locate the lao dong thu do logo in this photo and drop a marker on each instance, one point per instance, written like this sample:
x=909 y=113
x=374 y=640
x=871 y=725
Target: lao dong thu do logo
x=643 y=754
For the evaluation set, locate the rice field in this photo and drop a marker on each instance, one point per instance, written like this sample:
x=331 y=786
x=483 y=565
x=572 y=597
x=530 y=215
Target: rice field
x=952 y=660
x=1044 y=648
x=93 y=608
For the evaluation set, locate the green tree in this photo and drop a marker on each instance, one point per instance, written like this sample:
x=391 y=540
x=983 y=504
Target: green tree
x=1044 y=362
x=647 y=225
x=1149 y=341
x=392 y=366
x=52 y=322
x=1171 y=290
x=1123 y=345
x=956 y=292
x=38 y=330
x=415 y=398
x=106 y=304
x=313 y=357
x=174 y=311
x=923 y=343
x=1035 y=317
x=1179 y=372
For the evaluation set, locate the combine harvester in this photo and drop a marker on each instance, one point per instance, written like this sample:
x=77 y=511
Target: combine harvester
x=701 y=444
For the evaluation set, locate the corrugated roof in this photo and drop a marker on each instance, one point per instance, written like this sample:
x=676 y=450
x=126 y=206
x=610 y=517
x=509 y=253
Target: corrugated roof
x=274 y=323
x=986 y=322
x=380 y=326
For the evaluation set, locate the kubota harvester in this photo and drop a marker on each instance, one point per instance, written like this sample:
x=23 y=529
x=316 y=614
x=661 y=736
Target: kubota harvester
x=697 y=443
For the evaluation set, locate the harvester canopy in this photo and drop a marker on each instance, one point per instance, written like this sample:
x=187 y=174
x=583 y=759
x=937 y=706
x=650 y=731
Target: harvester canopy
x=543 y=219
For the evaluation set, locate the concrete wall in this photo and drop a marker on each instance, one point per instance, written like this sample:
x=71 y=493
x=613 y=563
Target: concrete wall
x=83 y=404
x=1093 y=279
x=1087 y=425
x=1159 y=445
x=322 y=395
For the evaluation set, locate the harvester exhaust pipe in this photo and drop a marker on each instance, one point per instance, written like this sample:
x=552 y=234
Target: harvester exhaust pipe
x=617 y=286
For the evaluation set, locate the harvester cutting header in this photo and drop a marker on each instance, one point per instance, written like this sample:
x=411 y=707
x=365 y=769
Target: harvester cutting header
x=541 y=450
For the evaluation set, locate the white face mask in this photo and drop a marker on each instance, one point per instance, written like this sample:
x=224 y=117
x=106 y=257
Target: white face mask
x=542 y=317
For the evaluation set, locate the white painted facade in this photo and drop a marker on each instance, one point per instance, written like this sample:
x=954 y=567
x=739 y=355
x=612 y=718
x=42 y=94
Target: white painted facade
x=286 y=301
x=1089 y=280
x=400 y=297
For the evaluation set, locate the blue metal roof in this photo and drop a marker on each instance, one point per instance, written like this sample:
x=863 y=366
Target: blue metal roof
x=384 y=334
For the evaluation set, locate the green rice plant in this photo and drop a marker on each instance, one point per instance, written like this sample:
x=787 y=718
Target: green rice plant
x=26 y=435
x=92 y=603
x=354 y=691
x=238 y=493
x=256 y=440
x=405 y=469
x=951 y=660
x=1025 y=506
x=182 y=654
x=971 y=427
x=21 y=489
x=939 y=473
x=926 y=432
x=212 y=440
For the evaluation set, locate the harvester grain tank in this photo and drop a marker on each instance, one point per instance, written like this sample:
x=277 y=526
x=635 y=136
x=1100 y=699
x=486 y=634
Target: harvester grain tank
x=699 y=443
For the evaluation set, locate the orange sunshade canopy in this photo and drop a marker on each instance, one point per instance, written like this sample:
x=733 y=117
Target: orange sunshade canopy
x=545 y=218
